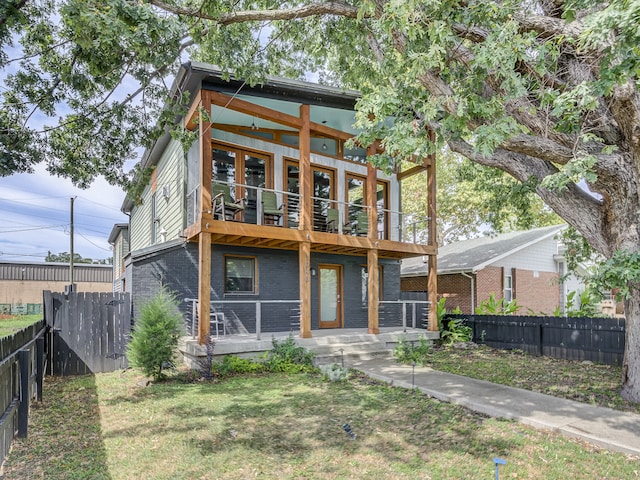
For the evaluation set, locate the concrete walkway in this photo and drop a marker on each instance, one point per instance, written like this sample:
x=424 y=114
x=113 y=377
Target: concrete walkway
x=601 y=426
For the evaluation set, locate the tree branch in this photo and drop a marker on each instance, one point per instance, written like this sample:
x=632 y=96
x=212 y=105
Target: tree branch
x=574 y=205
x=325 y=8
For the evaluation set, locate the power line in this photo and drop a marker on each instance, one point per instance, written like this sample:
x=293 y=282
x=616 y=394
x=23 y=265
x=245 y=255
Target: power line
x=95 y=245
x=58 y=209
x=46 y=227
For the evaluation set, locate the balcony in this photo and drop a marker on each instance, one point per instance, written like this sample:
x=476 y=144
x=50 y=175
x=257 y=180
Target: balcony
x=253 y=216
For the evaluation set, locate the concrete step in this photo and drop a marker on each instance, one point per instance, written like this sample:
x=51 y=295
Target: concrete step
x=351 y=356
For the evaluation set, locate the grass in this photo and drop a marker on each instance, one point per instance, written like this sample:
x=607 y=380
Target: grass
x=586 y=382
x=114 y=426
x=10 y=324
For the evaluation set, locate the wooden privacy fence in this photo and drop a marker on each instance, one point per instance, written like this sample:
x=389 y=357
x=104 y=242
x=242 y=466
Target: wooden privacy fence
x=88 y=331
x=21 y=371
x=599 y=340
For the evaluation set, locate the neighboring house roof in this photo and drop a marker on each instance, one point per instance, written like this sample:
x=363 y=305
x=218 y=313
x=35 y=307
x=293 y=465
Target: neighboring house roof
x=475 y=254
x=115 y=231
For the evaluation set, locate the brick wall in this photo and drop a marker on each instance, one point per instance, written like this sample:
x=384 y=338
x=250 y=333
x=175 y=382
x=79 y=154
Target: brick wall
x=488 y=281
x=177 y=268
x=456 y=289
x=413 y=284
x=539 y=293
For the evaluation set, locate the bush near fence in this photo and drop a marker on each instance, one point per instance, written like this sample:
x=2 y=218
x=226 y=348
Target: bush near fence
x=599 y=340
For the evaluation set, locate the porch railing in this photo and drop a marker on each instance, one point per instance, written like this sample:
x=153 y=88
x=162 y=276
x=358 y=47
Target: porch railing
x=332 y=216
x=227 y=319
x=419 y=310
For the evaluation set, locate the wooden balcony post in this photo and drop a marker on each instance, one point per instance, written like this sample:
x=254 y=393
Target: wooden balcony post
x=432 y=275
x=304 y=261
x=371 y=192
x=204 y=286
x=306 y=191
x=373 y=279
x=204 y=238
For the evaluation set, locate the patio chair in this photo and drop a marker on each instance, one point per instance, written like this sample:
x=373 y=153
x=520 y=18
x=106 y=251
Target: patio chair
x=332 y=220
x=361 y=226
x=270 y=209
x=224 y=205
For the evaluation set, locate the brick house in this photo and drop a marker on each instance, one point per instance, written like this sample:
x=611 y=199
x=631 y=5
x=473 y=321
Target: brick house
x=525 y=266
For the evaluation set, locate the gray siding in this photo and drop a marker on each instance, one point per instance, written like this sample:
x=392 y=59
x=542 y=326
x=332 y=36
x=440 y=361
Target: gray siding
x=55 y=272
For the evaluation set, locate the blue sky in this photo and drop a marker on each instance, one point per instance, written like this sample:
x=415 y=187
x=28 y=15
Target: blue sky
x=35 y=218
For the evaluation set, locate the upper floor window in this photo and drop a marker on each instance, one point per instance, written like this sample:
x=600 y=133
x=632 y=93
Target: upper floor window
x=155 y=219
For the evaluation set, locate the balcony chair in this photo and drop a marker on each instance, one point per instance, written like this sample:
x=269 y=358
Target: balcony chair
x=361 y=226
x=224 y=206
x=270 y=209
x=332 y=220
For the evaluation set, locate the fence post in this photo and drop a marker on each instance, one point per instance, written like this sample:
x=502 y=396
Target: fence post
x=258 y=319
x=23 y=406
x=39 y=366
x=540 y=339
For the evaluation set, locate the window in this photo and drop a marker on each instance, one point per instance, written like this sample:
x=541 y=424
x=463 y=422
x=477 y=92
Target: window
x=356 y=196
x=508 y=289
x=364 y=275
x=239 y=275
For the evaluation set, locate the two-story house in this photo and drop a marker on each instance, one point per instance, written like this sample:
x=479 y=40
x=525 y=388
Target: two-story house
x=269 y=219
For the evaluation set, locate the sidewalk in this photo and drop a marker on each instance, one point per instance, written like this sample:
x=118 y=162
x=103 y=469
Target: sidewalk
x=607 y=428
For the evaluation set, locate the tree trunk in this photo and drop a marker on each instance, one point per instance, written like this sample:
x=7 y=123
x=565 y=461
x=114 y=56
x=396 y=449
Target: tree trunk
x=631 y=363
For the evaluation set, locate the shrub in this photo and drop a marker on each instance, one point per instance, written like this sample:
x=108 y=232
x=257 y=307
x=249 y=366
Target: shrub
x=287 y=357
x=155 y=335
x=408 y=352
x=456 y=332
x=234 y=365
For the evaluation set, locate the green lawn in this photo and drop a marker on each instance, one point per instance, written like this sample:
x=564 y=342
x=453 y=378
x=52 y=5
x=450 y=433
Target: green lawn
x=113 y=426
x=10 y=324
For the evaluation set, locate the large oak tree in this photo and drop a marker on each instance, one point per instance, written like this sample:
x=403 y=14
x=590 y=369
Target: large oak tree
x=544 y=90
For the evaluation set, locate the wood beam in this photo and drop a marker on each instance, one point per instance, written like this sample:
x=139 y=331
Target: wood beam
x=190 y=118
x=373 y=279
x=304 y=164
x=265 y=113
x=304 y=268
x=432 y=276
x=412 y=171
x=204 y=286
x=206 y=155
x=371 y=192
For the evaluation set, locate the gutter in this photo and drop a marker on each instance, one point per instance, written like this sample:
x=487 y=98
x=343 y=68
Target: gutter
x=473 y=282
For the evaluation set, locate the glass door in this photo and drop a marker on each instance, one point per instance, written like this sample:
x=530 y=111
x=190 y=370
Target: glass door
x=330 y=282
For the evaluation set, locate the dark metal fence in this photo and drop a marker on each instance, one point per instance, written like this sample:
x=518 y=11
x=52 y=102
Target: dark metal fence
x=21 y=371
x=599 y=340
x=89 y=331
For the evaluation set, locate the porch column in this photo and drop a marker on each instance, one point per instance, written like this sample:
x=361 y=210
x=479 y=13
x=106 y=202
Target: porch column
x=306 y=191
x=204 y=286
x=432 y=292
x=204 y=238
x=373 y=279
x=432 y=275
x=305 y=288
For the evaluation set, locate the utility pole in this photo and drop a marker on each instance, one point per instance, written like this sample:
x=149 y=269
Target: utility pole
x=71 y=278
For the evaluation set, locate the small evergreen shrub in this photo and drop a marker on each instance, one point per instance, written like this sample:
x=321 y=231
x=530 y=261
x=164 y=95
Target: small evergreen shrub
x=155 y=335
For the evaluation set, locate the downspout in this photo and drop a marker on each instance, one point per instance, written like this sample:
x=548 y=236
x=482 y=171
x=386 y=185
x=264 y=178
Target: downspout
x=473 y=299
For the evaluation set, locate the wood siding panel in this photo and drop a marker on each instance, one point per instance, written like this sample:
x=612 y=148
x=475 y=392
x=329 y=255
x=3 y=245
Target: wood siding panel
x=170 y=173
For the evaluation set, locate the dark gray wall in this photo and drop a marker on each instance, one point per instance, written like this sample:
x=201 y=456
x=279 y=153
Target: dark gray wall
x=177 y=268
